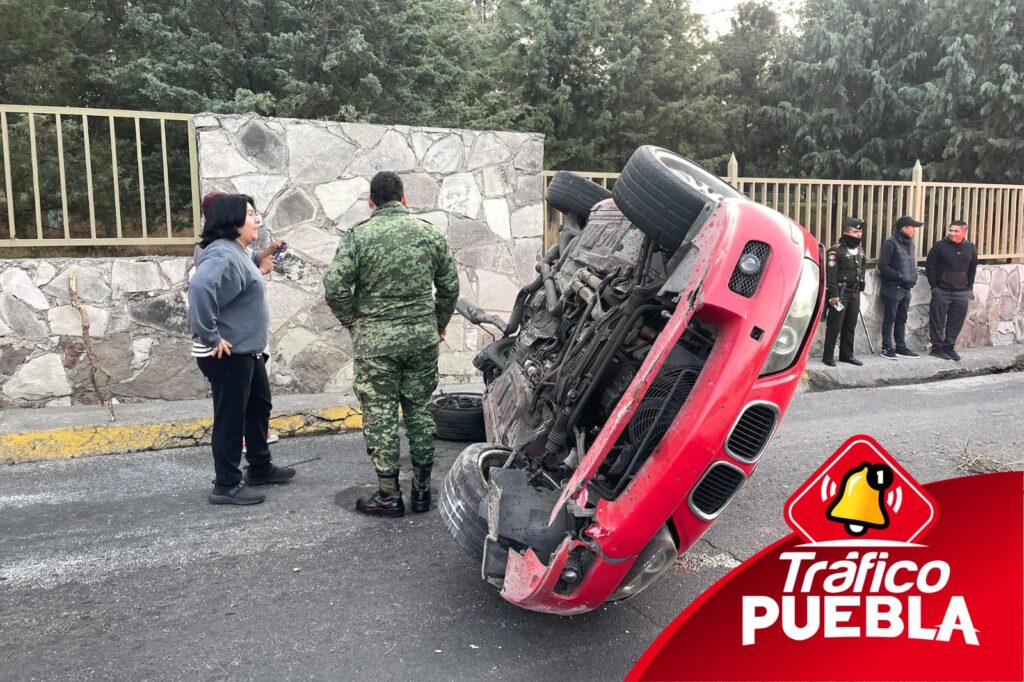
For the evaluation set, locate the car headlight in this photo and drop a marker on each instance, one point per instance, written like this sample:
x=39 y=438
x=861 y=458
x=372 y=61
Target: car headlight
x=657 y=557
x=798 y=320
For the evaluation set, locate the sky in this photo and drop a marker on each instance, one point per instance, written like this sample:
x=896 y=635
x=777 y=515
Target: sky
x=718 y=13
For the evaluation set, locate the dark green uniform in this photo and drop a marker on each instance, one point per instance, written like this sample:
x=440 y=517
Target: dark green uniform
x=844 y=279
x=381 y=286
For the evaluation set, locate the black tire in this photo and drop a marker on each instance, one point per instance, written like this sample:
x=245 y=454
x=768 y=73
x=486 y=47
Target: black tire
x=459 y=416
x=464 y=488
x=663 y=194
x=571 y=193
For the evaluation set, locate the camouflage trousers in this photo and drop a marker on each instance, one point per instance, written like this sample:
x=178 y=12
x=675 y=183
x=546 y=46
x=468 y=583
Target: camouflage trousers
x=383 y=383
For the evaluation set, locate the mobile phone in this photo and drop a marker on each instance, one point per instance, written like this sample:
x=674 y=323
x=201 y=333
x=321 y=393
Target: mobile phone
x=280 y=250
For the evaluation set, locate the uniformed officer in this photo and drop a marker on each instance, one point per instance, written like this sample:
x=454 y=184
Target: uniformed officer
x=844 y=280
x=380 y=285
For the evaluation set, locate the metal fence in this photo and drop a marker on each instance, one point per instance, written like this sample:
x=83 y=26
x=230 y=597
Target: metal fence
x=994 y=213
x=100 y=177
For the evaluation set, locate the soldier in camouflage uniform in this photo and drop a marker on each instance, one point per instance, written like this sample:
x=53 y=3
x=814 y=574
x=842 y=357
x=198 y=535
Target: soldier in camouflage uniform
x=379 y=287
x=844 y=280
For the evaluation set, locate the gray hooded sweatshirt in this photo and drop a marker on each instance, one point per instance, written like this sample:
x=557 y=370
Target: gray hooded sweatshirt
x=227 y=299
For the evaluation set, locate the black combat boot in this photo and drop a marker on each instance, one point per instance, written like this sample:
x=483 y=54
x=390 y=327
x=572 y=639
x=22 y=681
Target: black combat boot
x=386 y=502
x=420 y=498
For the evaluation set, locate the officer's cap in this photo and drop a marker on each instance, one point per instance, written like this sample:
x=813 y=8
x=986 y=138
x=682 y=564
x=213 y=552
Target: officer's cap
x=851 y=222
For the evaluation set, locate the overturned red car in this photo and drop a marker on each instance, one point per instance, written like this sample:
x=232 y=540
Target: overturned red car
x=636 y=385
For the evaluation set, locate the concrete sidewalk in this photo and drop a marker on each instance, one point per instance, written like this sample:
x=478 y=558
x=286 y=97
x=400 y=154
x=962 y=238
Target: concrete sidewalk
x=78 y=431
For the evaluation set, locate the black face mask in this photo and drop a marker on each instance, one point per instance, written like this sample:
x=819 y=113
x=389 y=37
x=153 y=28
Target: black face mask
x=851 y=241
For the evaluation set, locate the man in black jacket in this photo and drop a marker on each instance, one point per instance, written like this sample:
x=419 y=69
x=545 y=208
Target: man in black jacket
x=898 y=267
x=951 y=266
x=844 y=280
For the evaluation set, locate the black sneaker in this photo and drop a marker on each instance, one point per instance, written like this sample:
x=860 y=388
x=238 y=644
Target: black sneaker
x=937 y=352
x=237 y=494
x=380 y=504
x=953 y=355
x=852 y=361
x=888 y=354
x=274 y=474
x=907 y=353
x=829 y=362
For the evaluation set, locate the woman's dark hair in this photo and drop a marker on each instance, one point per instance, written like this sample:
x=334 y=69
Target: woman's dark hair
x=224 y=217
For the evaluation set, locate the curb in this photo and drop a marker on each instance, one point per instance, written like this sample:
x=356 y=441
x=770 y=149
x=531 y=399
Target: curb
x=85 y=441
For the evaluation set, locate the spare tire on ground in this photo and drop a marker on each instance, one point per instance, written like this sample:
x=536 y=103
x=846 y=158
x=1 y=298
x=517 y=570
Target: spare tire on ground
x=664 y=194
x=572 y=193
x=459 y=416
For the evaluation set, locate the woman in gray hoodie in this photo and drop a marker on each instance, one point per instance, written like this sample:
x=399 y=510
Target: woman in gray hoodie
x=229 y=320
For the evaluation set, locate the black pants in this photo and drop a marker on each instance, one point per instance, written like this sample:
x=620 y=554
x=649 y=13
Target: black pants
x=842 y=325
x=894 y=322
x=946 y=315
x=241 y=407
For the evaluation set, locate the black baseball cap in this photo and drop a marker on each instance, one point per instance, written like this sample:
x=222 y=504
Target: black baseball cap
x=907 y=221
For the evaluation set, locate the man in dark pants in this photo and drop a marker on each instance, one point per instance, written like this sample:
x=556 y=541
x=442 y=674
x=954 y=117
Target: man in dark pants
x=950 y=269
x=844 y=280
x=898 y=267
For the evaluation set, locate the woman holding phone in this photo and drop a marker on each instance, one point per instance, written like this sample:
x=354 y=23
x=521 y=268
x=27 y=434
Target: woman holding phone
x=229 y=321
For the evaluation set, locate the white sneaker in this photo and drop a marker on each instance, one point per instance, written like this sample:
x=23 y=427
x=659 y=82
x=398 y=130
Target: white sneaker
x=271 y=438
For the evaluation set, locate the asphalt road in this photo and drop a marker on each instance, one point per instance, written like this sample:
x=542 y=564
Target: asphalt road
x=116 y=568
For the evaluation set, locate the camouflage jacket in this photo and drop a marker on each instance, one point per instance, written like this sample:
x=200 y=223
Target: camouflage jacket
x=380 y=283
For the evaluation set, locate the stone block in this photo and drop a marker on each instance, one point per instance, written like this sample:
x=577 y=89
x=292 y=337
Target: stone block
x=317 y=366
x=262 y=188
x=491 y=257
x=421 y=191
x=317 y=245
x=20 y=319
x=170 y=374
x=262 y=145
x=463 y=233
x=528 y=222
x=294 y=207
x=530 y=156
x=42 y=378
x=132 y=276
x=11 y=359
x=339 y=196
x=460 y=195
x=167 y=312
x=998 y=285
x=359 y=212
x=488 y=150
x=364 y=135
x=218 y=157
x=315 y=155
x=142 y=348
x=66 y=321
x=420 y=142
x=174 y=270
x=16 y=282
x=292 y=343
x=525 y=255
x=43 y=273
x=438 y=219
x=285 y=301
x=444 y=156
x=392 y=153
x=205 y=121
x=497 y=291
x=529 y=190
x=496 y=216
x=498 y=181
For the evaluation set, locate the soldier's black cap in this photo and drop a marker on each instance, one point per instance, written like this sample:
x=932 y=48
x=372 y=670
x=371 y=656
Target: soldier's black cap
x=850 y=221
x=907 y=221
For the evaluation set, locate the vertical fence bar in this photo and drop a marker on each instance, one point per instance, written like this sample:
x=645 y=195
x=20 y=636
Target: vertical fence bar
x=142 y=179
x=993 y=228
x=35 y=174
x=63 y=177
x=1007 y=245
x=7 y=175
x=795 y=215
x=193 y=164
x=88 y=177
x=167 y=181
x=114 y=174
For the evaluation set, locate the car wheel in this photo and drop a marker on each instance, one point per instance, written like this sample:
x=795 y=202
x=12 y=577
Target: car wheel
x=664 y=194
x=572 y=193
x=464 y=489
x=459 y=416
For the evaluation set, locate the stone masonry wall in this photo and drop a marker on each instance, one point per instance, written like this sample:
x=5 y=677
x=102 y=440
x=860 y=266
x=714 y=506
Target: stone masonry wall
x=311 y=182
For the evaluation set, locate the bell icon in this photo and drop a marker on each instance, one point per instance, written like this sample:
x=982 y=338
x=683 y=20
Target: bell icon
x=860 y=504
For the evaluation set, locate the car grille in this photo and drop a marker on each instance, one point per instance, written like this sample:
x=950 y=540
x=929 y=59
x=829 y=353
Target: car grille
x=716 y=487
x=752 y=432
x=746 y=285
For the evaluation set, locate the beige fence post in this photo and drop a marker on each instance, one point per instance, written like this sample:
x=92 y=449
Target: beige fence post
x=733 y=171
x=917 y=202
